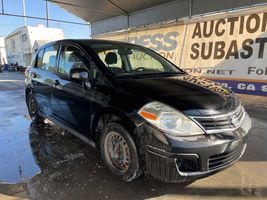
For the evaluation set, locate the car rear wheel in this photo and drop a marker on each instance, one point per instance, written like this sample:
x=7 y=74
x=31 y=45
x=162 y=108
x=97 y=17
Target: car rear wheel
x=119 y=152
x=33 y=109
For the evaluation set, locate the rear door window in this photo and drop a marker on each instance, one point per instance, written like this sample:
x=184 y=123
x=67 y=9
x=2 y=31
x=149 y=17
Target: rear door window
x=39 y=58
x=49 y=58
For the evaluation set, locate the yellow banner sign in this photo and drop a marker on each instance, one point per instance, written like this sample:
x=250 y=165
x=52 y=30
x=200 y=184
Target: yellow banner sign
x=229 y=49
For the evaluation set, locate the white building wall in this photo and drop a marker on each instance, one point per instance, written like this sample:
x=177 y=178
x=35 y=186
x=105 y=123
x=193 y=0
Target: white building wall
x=43 y=33
x=20 y=42
x=3 y=59
x=14 y=46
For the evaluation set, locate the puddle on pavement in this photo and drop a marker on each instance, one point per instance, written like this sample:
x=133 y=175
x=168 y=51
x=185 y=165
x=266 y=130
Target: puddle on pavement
x=17 y=162
x=16 y=158
x=29 y=149
x=9 y=86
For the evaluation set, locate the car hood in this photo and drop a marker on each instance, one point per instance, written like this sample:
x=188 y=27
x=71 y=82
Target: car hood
x=189 y=94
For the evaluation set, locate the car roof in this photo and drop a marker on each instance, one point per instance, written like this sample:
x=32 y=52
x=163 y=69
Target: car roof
x=87 y=42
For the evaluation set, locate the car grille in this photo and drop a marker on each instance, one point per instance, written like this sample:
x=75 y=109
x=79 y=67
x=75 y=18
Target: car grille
x=224 y=159
x=220 y=123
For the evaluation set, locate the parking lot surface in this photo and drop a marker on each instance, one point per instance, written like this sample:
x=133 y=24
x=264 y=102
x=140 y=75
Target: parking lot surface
x=44 y=162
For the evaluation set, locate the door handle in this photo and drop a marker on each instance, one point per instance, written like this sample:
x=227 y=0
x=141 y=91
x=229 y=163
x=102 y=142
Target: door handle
x=56 y=82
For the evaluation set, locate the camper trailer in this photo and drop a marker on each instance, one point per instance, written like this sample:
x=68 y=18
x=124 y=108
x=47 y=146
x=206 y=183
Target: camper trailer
x=3 y=59
x=20 y=43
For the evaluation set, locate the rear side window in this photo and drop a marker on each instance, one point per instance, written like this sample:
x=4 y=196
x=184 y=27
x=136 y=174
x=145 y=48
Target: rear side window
x=39 y=58
x=49 y=58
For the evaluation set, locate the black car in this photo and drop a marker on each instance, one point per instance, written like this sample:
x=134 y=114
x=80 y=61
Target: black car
x=144 y=114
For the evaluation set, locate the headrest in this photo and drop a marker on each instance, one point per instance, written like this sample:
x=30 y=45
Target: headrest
x=111 y=58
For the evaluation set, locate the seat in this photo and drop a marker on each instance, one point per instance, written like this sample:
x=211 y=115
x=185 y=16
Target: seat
x=51 y=64
x=111 y=58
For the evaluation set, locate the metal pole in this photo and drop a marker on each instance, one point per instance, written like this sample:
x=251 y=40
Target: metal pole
x=128 y=21
x=47 y=13
x=24 y=13
x=190 y=8
x=43 y=18
x=2 y=3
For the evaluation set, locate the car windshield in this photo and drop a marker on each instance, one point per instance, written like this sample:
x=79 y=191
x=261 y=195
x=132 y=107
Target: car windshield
x=131 y=60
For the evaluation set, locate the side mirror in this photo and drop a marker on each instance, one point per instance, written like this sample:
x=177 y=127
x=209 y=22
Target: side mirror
x=80 y=74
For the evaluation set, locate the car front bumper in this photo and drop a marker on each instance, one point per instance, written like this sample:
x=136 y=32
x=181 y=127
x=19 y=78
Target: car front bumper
x=180 y=159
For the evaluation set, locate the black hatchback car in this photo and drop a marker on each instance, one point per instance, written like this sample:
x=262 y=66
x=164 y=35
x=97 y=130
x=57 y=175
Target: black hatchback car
x=144 y=114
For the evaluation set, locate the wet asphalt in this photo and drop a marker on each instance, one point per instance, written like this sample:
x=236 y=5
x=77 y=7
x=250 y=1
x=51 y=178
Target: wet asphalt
x=44 y=162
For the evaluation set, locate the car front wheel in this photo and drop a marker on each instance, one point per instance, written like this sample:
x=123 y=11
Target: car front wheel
x=119 y=152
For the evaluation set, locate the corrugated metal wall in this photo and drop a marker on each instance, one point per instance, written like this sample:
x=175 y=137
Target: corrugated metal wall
x=170 y=11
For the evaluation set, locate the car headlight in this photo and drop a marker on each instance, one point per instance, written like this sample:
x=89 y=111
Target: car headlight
x=169 y=120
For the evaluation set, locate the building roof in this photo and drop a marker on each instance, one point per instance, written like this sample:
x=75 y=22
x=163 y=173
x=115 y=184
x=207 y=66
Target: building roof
x=38 y=43
x=41 y=42
x=113 y=15
x=94 y=11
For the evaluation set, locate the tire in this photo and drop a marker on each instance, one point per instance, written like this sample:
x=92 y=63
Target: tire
x=115 y=141
x=33 y=109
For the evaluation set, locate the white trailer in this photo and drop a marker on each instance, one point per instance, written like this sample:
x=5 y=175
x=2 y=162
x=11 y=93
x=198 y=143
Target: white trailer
x=19 y=43
x=3 y=59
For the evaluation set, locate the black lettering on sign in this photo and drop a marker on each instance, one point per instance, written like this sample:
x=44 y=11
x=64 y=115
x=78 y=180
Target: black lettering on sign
x=241 y=28
x=211 y=71
x=219 y=52
x=253 y=20
x=195 y=50
x=233 y=50
x=251 y=24
x=264 y=22
x=197 y=31
x=167 y=55
x=197 y=71
x=207 y=33
x=262 y=42
x=231 y=71
x=219 y=32
x=251 y=69
x=209 y=50
x=259 y=71
x=246 y=45
x=232 y=22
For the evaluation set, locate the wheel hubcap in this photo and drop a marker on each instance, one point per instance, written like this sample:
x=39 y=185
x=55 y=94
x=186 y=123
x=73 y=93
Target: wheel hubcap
x=32 y=107
x=117 y=151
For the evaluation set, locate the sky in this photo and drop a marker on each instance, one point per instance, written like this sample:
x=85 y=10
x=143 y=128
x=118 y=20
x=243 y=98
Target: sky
x=37 y=8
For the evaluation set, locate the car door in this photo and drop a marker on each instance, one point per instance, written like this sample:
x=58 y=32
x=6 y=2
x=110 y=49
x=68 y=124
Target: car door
x=70 y=99
x=41 y=75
